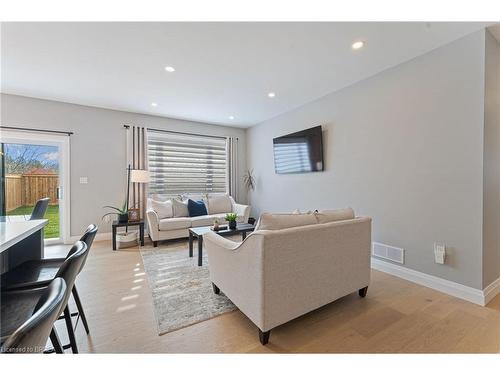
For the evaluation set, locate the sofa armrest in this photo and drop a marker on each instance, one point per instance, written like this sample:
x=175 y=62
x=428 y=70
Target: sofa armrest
x=236 y=268
x=242 y=210
x=153 y=224
x=220 y=243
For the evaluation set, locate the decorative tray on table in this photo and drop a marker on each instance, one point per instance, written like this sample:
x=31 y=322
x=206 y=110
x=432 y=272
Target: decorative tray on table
x=221 y=227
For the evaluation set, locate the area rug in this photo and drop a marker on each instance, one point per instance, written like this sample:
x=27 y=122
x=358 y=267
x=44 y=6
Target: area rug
x=182 y=291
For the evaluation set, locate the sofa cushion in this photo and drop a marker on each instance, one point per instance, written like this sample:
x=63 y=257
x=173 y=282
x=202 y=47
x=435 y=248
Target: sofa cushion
x=202 y=221
x=196 y=208
x=163 y=209
x=327 y=216
x=219 y=204
x=282 y=221
x=180 y=208
x=175 y=223
x=160 y=197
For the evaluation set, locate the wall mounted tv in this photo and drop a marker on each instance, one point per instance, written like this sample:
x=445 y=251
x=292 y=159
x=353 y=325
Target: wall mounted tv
x=299 y=152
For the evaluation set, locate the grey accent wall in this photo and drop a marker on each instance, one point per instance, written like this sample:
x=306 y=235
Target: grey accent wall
x=491 y=184
x=98 y=148
x=404 y=147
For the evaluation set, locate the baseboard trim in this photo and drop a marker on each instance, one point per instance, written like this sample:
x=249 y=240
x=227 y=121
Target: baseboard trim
x=452 y=288
x=98 y=237
x=491 y=291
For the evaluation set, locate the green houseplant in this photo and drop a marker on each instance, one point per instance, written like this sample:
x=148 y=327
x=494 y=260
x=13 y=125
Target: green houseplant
x=249 y=180
x=231 y=219
x=122 y=212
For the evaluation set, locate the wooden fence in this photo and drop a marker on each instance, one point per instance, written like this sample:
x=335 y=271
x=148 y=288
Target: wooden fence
x=25 y=190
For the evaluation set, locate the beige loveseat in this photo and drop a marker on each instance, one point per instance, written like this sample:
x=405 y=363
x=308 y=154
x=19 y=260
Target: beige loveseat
x=281 y=272
x=169 y=218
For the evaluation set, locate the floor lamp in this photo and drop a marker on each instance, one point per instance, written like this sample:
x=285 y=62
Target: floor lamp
x=139 y=176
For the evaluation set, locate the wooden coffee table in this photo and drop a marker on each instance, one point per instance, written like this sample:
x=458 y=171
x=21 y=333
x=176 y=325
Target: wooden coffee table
x=200 y=231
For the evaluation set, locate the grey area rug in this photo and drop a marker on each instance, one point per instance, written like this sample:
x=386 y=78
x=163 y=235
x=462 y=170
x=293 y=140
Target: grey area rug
x=182 y=291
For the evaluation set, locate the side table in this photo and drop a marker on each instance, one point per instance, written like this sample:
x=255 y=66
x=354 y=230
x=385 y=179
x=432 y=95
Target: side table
x=116 y=224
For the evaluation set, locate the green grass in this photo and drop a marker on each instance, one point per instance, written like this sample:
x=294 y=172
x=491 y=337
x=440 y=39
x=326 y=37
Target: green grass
x=52 y=214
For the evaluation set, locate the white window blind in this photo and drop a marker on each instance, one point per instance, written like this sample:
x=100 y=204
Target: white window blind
x=180 y=163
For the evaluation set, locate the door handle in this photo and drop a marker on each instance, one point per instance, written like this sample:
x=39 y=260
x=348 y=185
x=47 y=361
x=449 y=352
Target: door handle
x=58 y=193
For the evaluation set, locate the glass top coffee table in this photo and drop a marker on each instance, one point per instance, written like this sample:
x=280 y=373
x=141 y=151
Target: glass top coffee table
x=200 y=231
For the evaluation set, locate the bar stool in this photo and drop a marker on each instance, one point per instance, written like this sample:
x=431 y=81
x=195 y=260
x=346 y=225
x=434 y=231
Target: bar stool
x=68 y=271
x=31 y=336
x=36 y=273
x=40 y=209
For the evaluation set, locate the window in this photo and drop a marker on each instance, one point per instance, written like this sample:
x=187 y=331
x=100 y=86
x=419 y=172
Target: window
x=181 y=163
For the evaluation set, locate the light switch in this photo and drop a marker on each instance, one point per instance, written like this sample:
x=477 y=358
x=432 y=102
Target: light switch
x=439 y=253
x=84 y=180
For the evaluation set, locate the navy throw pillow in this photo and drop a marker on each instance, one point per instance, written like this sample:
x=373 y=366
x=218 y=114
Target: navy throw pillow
x=196 y=208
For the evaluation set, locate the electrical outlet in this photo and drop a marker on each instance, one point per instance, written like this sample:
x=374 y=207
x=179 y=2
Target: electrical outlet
x=439 y=253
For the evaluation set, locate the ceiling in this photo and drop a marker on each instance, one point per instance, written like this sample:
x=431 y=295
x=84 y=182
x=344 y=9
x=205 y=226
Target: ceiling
x=221 y=69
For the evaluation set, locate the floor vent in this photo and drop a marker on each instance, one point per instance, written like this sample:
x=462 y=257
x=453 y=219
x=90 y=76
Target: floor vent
x=394 y=254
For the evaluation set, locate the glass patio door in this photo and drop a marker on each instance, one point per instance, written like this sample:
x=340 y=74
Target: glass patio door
x=34 y=167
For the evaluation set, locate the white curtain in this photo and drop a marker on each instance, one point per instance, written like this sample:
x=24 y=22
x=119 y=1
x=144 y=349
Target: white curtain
x=137 y=159
x=232 y=167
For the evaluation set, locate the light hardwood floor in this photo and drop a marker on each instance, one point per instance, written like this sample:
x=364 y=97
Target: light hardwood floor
x=396 y=317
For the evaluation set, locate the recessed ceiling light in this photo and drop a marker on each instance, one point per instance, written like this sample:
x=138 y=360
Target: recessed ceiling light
x=271 y=94
x=358 y=45
x=231 y=117
x=154 y=104
x=170 y=69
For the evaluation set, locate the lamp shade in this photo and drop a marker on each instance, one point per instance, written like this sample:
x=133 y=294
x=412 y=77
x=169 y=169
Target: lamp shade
x=139 y=175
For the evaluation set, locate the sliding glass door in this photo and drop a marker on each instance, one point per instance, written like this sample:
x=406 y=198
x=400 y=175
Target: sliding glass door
x=35 y=166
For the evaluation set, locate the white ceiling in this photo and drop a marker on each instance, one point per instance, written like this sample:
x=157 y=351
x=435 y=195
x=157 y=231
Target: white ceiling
x=222 y=69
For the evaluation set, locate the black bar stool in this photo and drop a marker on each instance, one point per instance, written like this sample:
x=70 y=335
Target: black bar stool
x=36 y=273
x=40 y=209
x=31 y=336
x=68 y=271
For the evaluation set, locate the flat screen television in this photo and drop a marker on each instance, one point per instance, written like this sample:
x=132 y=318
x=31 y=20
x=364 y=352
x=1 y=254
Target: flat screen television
x=299 y=152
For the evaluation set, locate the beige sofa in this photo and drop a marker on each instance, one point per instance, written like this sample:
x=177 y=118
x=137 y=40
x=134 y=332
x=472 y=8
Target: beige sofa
x=278 y=274
x=175 y=224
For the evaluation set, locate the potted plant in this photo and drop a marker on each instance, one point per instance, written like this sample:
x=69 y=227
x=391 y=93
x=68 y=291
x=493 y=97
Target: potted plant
x=231 y=219
x=249 y=180
x=122 y=213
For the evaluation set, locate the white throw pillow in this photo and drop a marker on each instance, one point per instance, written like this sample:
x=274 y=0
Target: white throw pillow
x=180 y=208
x=327 y=216
x=164 y=210
x=160 y=197
x=219 y=204
x=282 y=221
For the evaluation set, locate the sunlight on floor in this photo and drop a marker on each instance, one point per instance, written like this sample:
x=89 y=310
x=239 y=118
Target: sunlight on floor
x=126 y=298
x=126 y=308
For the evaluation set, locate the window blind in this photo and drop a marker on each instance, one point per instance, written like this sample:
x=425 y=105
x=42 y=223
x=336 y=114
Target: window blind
x=180 y=163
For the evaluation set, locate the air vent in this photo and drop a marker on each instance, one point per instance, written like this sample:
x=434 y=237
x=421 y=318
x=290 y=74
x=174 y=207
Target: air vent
x=392 y=253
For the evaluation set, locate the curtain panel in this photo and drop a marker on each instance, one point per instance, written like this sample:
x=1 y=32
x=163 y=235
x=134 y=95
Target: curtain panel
x=137 y=159
x=232 y=169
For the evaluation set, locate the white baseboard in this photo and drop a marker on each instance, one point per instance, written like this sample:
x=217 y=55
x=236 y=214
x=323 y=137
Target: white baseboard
x=98 y=237
x=477 y=296
x=491 y=291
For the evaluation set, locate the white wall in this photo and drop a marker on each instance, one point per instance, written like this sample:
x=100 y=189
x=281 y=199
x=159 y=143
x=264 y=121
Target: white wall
x=404 y=147
x=98 y=148
x=491 y=188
